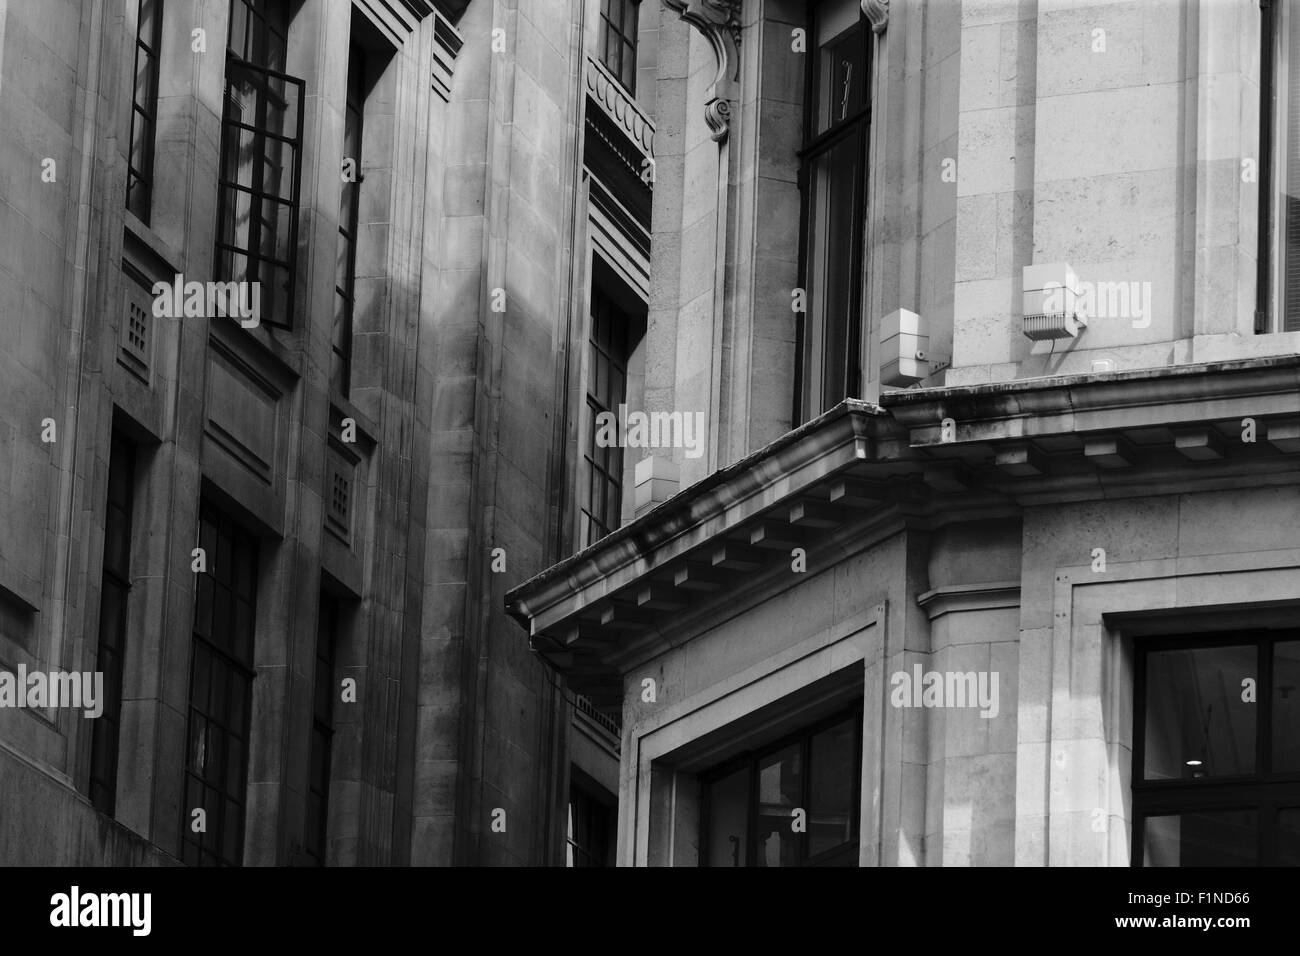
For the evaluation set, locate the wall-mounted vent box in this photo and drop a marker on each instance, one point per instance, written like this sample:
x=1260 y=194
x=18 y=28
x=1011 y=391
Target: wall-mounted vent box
x=1051 y=302
x=903 y=346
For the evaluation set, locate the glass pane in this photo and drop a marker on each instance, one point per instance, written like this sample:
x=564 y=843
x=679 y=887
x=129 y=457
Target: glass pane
x=239 y=28
x=140 y=141
x=202 y=679
x=1288 y=837
x=218 y=702
x=1197 y=725
x=841 y=72
x=830 y=800
x=779 y=788
x=1286 y=706
x=198 y=740
x=239 y=704
x=234 y=784
x=1207 y=838
x=203 y=606
x=221 y=618
x=728 y=821
x=216 y=756
x=831 y=278
x=233 y=824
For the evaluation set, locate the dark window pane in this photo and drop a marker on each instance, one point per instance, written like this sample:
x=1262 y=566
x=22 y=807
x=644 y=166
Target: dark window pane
x=1286 y=706
x=1288 y=837
x=144 y=108
x=590 y=830
x=780 y=779
x=112 y=636
x=1205 y=838
x=832 y=277
x=841 y=75
x=831 y=786
x=728 y=825
x=219 y=689
x=1197 y=725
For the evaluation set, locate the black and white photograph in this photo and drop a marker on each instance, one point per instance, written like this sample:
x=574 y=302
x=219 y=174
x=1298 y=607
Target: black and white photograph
x=505 y=435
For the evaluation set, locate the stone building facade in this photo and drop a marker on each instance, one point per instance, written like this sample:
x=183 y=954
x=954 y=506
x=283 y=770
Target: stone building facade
x=279 y=517
x=991 y=554
x=950 y=350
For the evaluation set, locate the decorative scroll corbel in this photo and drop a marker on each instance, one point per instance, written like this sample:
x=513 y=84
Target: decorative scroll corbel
x=718 y=22
x=877 y=12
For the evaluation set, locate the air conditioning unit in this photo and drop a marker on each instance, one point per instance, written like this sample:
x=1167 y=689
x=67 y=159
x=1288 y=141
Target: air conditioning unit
x=1051 y=302
x=903 y=345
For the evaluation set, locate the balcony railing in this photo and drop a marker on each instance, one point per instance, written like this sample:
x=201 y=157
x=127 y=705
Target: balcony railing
x=613 y=726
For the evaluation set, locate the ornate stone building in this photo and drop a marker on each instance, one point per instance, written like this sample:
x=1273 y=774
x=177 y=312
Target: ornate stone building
x=882 y=418
x=992 y=556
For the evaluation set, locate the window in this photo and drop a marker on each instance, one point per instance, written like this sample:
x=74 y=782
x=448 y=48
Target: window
x=1278 y=306
x=601 y=493
x=322 y=728
x=345 y=270
x=591 y=826
x=115 y=586
x=1216 y=751
x=618 y=20
x=257 y=210
x=221 y=682
x=144 y=108
x=832 y=178
x=749 y=813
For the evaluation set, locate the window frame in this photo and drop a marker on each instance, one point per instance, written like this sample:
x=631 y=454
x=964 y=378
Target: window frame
x=810 y=379
x=354 y=103
x=592 y=407
x=224 y=249
x=751 y=758
x=627 y=42
x=1263 y=790
x=604 y=807
x=329 y=612
x=102 y=780
x=227 y=534
x=152 y=49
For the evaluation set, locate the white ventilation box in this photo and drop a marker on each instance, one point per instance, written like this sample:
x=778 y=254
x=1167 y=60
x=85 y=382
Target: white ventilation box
x=1051 y=302
x=903 y=345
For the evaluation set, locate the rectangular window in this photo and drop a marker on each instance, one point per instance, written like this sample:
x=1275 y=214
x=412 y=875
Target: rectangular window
x=1216 y=751
x=115 y=587
x=1278 y=306
x=618 y=22
x=221 y=683
x=591 y=828
x=601 y=491
x=751 y=805
x=322 y=728
x=832 y=178
x=257 y=210
x=144 y=108
x=345 y=269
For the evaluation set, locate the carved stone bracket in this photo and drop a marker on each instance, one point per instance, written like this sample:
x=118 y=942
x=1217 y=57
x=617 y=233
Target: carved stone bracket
x=877 y=12
x=718 y=22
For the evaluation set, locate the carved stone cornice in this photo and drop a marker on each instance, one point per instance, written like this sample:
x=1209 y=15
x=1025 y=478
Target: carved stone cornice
x=718 y=21
x=710 y=15
x=877 y=12
x=622 y=110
